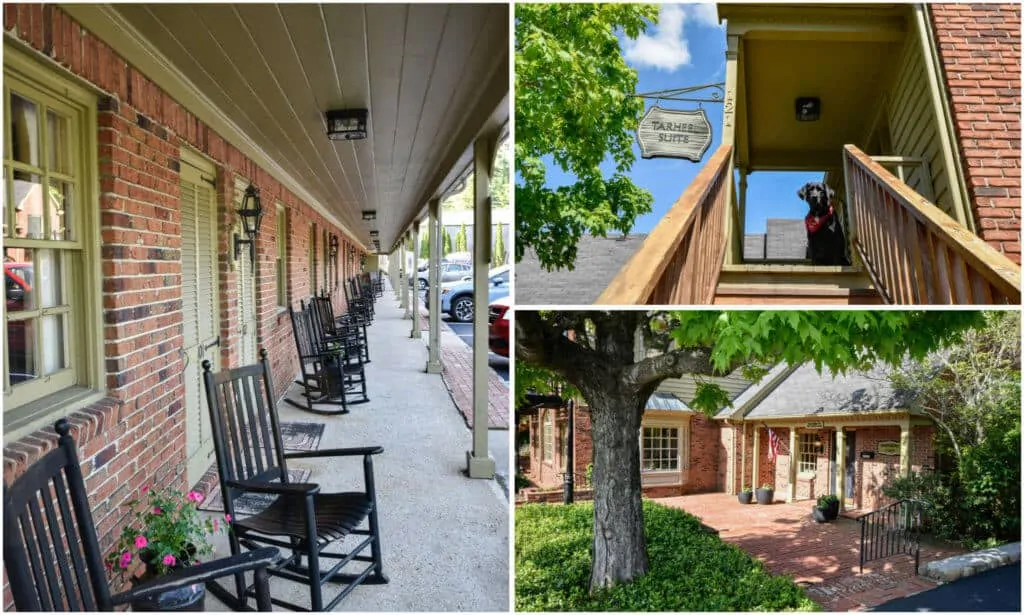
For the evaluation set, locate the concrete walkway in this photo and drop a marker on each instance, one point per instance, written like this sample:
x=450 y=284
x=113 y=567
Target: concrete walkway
x=824 y=558
x=445 y=536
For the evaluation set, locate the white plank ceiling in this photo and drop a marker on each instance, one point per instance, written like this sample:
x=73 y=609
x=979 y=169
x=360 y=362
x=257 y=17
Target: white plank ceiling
x=422 y=70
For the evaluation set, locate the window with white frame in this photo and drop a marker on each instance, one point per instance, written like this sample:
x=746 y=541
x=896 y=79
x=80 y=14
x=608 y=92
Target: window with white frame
x=660 y=448
x=547 y=436
x=281 y=262
x=45 y=187
x=807 y=462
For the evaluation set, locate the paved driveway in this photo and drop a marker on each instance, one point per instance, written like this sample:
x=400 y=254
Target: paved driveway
x=822 y=557
x=995 y=590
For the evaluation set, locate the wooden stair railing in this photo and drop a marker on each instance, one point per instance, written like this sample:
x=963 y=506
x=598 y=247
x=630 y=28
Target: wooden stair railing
x=680 y=261
x=914 y=252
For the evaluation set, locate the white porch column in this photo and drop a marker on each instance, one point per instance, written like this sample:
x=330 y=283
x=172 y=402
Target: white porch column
x=415 y=291
x=793 y=456
x=434 y=279
x=405 y=274
x=757 y=465
x=905 y=448
x=480 y=464
x=394 y=272
x=841 y=467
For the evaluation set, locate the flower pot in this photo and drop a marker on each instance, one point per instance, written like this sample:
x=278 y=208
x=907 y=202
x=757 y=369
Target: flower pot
x=832 y=512
x=765 y=496
x=820 y=514
x=187 y=598
x=745 y=497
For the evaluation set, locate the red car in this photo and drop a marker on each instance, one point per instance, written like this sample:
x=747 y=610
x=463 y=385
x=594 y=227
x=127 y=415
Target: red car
x=497 y=332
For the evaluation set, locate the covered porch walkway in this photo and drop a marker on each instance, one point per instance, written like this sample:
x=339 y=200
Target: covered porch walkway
x=822 y=557
x=444 y=535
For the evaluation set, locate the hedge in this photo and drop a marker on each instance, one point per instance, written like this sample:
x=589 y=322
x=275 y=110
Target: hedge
x=691 y=570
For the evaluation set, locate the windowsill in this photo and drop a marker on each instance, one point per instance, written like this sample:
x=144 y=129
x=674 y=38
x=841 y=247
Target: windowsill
x=42 y=413
x=806 y=475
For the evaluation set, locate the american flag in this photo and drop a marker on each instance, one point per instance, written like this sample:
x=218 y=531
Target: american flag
x=773 y=445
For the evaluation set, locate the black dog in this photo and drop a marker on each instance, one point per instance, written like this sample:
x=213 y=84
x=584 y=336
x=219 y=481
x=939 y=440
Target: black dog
x=826 y=242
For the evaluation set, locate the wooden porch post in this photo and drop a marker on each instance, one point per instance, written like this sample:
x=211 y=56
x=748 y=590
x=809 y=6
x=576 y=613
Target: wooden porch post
x=404 y=282
x=414 y=332
x=905 y=448
x=434 y=280
x=732 y=254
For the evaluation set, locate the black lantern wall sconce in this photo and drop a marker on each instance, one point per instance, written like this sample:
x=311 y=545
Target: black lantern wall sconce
x=346 y=124
x=251 y=214
x=333 y=246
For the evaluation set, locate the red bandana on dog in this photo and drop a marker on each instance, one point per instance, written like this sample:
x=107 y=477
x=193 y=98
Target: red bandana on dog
x=814 y=224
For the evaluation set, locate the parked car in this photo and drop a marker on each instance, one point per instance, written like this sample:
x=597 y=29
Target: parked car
x=457 y=297
x=497 y=332
x=450 y=272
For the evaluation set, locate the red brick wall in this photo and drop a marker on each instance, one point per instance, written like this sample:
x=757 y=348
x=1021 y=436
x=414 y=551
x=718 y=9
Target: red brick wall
x=979 y=45
x=136 y=435
x=705 y=445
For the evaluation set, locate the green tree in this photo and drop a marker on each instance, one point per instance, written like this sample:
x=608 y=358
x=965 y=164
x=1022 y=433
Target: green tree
x=596 y=353
x=499 y=245
x=575 y=103
x=461 y=243
x=424 y=244
x=446 y=242
x=499 y=176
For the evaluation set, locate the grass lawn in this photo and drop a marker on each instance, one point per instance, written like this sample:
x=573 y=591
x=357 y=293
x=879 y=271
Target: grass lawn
x=691 y=570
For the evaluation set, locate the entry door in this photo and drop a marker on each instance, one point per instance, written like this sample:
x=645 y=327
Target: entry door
x=246 y=288
x=849 y=481
x=199 y=286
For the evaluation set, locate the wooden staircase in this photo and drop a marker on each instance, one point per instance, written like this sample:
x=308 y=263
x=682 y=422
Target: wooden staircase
x=906 y=251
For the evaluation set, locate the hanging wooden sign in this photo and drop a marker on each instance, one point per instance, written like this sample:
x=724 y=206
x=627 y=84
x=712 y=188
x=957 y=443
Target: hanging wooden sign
x=671 y=133
x=889 y=447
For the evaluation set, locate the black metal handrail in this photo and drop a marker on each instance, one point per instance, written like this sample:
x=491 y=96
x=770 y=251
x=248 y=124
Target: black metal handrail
x=892 y=530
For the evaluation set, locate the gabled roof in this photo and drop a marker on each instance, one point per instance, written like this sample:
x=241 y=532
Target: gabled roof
x=754 y=392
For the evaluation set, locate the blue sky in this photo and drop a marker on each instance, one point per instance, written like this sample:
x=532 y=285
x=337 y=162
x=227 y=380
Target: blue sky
x=687 y=48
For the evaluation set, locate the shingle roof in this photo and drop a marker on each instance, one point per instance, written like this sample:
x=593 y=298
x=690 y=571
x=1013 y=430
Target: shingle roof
x=786 y=239
x=806 y=393
x=598 y=260
x=666 y=401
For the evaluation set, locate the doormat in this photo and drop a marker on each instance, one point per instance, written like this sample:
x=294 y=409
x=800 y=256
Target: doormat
x=295 y=436
x=250 y=503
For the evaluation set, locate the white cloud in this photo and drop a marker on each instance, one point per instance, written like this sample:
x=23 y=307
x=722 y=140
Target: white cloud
x=666 y=48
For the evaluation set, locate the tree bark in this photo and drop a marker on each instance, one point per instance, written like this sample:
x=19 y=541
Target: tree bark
x=620 y=551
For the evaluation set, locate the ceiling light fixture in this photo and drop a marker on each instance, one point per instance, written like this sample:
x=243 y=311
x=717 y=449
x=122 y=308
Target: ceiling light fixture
x=346 y=124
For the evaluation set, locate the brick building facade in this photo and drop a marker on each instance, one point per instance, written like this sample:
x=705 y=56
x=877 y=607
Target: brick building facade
x=124 y=247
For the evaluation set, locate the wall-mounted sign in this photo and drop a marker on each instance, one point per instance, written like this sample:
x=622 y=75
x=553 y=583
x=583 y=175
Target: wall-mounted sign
x=814 y=425
x=888 y=448
x=669 y=133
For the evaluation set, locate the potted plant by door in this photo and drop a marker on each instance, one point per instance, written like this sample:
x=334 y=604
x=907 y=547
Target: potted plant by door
x=746 y=495
x=827 y=508
x=164 y=532
x=765 y=494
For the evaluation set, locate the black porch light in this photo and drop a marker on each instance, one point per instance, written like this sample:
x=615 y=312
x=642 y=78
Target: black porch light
x=808 y=109
x=369 y=214
x=374 y=233
x=333 y=246
x=251 y=214
x=346 y=124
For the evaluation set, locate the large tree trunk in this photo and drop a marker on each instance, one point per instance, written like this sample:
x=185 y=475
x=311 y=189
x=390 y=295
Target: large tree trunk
x=620 y=551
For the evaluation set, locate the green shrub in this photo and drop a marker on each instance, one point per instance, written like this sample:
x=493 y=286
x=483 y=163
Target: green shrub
x=522 y=482
x=691 y=570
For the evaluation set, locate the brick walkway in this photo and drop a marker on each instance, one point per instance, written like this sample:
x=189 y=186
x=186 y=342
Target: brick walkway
x=457 y=372
x=822 y=557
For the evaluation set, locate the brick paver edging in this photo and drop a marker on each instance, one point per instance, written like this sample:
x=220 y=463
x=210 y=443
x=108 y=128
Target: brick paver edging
x=457 y=372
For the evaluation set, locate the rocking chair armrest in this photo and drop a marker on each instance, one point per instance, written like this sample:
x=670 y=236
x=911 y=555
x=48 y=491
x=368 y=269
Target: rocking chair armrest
x=337 y=452
x=243 y=562
x=275 y=488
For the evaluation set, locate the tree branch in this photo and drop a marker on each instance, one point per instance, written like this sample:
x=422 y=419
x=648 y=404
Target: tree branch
x=543 y=342
x=669 y=365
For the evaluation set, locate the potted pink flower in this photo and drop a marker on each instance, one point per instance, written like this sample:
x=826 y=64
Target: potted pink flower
x=165 y=531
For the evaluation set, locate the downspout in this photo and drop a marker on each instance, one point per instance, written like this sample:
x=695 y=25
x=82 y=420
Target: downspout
x=951 y=153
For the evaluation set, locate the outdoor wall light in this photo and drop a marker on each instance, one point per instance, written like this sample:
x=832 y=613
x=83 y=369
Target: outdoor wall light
x=333 y=246
x=346 y=124
x=808 y=109
x=369 y=214
x=251 y=214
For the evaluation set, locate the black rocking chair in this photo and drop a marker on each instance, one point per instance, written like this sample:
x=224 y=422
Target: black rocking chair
x=301 y=520
x=322 y=369
x=53 y=557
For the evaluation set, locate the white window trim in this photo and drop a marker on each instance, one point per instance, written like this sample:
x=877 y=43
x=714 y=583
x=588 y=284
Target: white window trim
x=801 y=473
x=682 y=424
